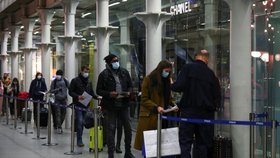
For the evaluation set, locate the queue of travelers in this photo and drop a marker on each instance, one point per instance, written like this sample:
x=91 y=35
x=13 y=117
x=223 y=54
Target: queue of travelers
x=196 y=81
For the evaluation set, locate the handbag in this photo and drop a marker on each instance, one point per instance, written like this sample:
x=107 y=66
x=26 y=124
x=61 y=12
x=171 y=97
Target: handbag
x=89 y=120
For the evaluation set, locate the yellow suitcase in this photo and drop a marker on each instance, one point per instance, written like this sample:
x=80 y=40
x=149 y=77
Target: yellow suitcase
x=99 y=139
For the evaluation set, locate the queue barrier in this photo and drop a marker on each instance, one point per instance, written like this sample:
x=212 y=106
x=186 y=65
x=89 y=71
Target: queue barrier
x=48 y=102
x=273 y=124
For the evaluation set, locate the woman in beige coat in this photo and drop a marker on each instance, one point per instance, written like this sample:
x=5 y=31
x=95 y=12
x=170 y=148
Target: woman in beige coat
x=156 y=96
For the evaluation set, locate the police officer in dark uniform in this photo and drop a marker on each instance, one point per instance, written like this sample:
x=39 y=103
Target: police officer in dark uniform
x=201 y=96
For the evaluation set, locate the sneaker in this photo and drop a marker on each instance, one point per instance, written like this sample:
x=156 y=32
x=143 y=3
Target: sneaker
x=59 y=131
x=80 y=144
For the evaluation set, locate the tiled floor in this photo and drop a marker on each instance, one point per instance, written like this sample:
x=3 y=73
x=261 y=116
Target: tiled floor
x=13 y=144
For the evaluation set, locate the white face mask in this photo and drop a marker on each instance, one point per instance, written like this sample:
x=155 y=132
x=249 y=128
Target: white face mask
x=85 y=75
x=39 y=77
x=58 y=77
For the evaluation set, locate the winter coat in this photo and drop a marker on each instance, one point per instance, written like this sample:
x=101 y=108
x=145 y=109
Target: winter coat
x=36 y=86
x=201 y=90
x=150 y=99
x=60 y=88
x=78 y=86
x=106 y=83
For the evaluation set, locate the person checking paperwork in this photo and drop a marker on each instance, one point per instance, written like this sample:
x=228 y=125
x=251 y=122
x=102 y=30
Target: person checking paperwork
x=155 y=97
x=79 y=87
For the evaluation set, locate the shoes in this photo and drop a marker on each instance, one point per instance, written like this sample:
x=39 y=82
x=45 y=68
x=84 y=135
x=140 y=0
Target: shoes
x=59 y=131
x=80 y=144
x=118 y=149
x=128 y=155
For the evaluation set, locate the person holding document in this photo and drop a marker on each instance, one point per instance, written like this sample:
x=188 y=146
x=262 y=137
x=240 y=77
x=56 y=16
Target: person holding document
x=115 y=86
x=155 y=98
x=80 y=89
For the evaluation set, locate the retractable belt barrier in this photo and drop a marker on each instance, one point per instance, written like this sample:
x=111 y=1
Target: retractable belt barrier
x=73 y=108
x=273 y=124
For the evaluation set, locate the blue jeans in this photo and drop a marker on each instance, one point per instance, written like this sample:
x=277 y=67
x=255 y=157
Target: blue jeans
x=79 y=117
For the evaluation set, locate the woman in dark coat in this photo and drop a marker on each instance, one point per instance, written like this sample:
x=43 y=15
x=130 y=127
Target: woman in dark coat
x=37 y=86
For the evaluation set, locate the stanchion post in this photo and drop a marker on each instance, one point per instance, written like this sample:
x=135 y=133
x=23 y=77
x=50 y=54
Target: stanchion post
x=252 y=135
x=15 y=111
x=265 y=137
x=49 y=126
x=25 y=119
x=95 y=132
x=273 y=137
x=38 y=122
x=72 y=152
x=7 y=110
x=159 y=136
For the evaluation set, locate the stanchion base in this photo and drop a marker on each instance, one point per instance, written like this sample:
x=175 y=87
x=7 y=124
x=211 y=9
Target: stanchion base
x=37 y=138
x=73 y=153
x=26 y=132
x=50 y=144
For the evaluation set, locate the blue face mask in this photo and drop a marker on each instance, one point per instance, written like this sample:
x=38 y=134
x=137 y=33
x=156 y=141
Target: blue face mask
x=164 y=74
x=115 y=65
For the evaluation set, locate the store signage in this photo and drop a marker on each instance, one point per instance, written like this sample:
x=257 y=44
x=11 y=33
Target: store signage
x=181 y=8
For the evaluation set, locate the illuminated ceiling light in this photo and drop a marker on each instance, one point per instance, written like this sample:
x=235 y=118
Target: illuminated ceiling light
x=21 y=27
x=91 y=34
x=86 y=14
x=269 y=39
x=254 y=5
x=35 y=33
x=124 y=0
x=265 y=30
x=252 y=25
x=83 y=39
x=269 y=25
x=265 y=57
x=63 y=22
x=273 y=0
x=36 y=20
x=264 y=2
x=113 y=4
x=256 y=54
x=267 y=19
x=272 y=28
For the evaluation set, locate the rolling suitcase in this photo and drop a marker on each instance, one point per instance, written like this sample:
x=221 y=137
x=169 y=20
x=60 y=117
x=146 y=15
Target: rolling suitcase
x=99 y=135
x=44 y=117
x=222 y=147
x=29 y=113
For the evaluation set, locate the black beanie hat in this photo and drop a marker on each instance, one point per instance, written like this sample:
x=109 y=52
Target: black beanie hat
x=109 y=58
x=59 y=72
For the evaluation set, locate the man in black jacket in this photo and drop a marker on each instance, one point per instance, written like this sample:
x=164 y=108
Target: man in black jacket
x=115 y=85
x=201 y=96
x=77 y=87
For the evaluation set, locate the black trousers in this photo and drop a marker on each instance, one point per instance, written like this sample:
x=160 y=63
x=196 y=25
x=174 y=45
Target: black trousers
x=198 y=135
x=111 y=125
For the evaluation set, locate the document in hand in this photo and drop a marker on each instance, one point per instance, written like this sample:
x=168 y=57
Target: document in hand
x=87 y=98
x=170 y=109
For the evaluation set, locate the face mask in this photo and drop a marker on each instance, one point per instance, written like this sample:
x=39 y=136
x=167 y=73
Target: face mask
x=115 y=65
x=85 y=75
x=39 y=77
x=164 y=74
x=58 y=77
